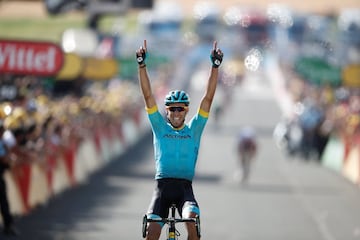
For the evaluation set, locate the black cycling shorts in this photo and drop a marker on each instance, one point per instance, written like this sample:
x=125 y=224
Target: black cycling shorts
x=170 y=191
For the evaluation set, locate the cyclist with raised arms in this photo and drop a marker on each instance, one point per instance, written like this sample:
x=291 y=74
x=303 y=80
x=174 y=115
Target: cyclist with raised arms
x=176 y=145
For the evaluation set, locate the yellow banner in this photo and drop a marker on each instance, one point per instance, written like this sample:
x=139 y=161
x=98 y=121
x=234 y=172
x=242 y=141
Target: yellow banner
x=72 y=68
x=99 y=69
x=351 y=75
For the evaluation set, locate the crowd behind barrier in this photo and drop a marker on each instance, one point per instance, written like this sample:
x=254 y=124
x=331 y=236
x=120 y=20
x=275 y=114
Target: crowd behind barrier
x=56 y=143
x=327 y=119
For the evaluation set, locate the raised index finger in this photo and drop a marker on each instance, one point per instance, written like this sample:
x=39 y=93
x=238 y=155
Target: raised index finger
x=215 y=45
x=145 y=44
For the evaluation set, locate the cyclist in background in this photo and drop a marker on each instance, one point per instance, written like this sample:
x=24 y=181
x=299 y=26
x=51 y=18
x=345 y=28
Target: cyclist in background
x=246 y=150
x=176 y=146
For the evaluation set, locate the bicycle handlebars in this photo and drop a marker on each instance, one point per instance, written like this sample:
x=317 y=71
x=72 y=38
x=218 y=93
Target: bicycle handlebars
x=171 y=221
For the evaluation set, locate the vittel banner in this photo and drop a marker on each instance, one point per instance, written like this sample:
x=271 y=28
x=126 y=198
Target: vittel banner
x=32 y=58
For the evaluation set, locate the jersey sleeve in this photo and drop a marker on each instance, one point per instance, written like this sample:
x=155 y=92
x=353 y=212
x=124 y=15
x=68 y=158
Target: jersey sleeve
x=157 y=121
x=198 y=122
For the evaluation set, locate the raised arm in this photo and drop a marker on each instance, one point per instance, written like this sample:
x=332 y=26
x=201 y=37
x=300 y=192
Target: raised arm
x=216 y=58
x=144 y=80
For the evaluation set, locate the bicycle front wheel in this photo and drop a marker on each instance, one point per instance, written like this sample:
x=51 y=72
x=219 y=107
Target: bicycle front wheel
x=197 y=224
x=144 y=226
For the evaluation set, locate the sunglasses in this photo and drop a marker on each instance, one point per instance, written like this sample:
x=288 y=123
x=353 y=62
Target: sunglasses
x=176 y=109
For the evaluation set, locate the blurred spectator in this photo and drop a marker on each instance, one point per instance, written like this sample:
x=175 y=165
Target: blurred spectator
x=322 y=112
x=310 y=120
x=15 y=130
x=5 y=164
x=39 y=127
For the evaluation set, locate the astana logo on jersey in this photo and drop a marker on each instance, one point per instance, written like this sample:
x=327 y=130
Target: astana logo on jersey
x=175 y=136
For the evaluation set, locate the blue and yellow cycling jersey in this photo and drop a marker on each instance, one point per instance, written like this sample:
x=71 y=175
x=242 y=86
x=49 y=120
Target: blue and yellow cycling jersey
x=176 y=150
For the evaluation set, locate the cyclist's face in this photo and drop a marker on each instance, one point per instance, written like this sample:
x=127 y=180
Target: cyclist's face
x=176 y=114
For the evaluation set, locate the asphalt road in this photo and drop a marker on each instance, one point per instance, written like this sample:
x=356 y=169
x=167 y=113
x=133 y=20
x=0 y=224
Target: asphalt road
x=286 y=199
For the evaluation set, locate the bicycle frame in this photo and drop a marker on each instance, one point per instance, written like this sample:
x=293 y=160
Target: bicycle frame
x=171 y=221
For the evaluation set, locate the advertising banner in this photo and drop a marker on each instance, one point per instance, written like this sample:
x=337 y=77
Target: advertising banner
x=30 y=58
x=72 y=68
x=318 y=71
x=99 y=69
x=351 y=76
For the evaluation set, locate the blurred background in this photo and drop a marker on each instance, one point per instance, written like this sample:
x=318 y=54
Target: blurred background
x=79 y=159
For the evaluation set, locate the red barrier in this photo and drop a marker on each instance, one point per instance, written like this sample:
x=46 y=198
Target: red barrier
x=137 y=118
x=22 y=179
x=351 y=167
x=119 y=133
x=51 y=160
x=65 y=166
x=97 y=140
x=69 y=159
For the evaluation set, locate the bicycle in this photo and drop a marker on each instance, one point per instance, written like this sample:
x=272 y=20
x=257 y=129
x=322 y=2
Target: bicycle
x=246 y=159
x=172 y=233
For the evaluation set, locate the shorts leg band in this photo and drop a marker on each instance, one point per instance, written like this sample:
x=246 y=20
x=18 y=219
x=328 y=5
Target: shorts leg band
x=189 y=207
x=154 y=216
